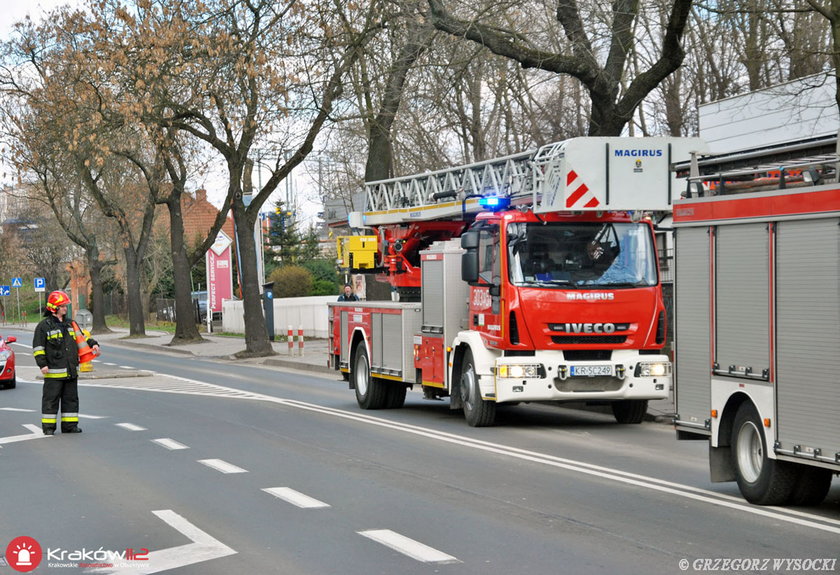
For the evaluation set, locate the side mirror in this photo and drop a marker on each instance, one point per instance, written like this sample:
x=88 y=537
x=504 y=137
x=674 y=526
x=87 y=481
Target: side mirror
x=469 y=241
x=469 y=266
x=11 y=339
x=469 y=260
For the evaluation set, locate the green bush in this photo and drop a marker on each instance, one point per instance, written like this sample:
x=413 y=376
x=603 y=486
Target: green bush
x=291 y=281
x=324 y=287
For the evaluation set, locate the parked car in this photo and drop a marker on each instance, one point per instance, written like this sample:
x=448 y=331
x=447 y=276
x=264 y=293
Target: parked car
x=200 y=300
x=8 y=379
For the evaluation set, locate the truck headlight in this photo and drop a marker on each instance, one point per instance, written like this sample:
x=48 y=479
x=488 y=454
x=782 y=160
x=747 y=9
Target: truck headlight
x=520 y=371
x=653 y=369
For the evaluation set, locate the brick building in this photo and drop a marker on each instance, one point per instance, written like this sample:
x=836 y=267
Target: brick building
x=199 y=215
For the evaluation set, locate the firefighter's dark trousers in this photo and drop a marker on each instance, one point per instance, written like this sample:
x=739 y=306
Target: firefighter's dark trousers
x=65 y=392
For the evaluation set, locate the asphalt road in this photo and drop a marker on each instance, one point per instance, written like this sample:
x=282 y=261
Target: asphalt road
x=224 y=468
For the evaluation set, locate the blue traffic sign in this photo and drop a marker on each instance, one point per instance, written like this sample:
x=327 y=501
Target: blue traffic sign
x=16 y=283
x=40 y=284
x=5 y=290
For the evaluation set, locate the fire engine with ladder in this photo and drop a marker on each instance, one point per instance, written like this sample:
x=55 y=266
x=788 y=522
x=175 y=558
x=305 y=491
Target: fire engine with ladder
x=757 y=319
x=532 y=277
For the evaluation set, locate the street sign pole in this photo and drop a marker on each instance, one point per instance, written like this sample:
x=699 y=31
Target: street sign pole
x=17 y=283
x=40 y=287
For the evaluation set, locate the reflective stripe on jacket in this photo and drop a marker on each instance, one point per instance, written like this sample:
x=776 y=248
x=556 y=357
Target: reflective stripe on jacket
x=54 y=346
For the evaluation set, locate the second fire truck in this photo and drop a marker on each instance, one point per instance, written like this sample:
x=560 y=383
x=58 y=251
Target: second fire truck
x=532 y=277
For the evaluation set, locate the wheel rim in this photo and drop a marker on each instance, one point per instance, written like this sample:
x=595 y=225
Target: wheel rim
x=468 y=387
x=750 y=452
x=362 y=374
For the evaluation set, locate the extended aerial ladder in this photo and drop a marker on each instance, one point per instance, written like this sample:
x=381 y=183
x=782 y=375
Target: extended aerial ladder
x=410 y=213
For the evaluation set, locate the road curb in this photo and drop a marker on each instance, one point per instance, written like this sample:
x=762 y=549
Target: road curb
x=274 y=362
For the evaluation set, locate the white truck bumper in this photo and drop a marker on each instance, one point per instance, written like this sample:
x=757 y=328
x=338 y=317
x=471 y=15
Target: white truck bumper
x=548 y=376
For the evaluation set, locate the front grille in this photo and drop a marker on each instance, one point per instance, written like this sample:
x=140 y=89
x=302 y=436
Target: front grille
x=587 y=384
x=587 y=354
x=584 y=339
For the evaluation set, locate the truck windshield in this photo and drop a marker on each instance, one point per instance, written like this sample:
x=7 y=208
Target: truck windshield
x=560 y=254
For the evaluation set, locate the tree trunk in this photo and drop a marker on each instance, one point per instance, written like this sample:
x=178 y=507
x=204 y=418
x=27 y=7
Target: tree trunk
x=380 y=163
x=186 y=330
x=95 y=266
x=256 y=336
x=134 y=295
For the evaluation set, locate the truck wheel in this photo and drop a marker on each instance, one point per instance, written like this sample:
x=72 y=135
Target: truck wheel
x=630 y=410
x=478 y=413
x=371 y=393
x=396 y=396
x=812 y=485
x=762 y=481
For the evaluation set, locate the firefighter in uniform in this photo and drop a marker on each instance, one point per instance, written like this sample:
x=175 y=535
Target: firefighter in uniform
x=57 y=355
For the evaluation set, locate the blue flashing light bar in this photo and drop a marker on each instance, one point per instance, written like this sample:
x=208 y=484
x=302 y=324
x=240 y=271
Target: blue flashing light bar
x=494 y=203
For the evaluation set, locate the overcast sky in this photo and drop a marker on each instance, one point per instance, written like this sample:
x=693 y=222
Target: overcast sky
x=16 y=10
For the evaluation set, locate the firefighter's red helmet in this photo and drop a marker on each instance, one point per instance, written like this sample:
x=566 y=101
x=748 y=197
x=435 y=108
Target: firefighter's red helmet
x=57 y=299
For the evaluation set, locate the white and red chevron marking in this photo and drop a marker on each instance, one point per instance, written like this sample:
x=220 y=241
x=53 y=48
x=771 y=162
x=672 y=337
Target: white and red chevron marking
x=578 y=194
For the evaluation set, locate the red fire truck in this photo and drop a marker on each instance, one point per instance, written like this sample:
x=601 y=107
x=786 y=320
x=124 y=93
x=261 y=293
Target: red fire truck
x=756 y=322
x=532 y=277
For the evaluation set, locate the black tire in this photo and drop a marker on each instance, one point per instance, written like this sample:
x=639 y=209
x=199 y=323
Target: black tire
x=396 y=395
x=762 y=481
x=812 y=485
x=630 y=410
x=371 y=393
x=477 y=411
x=11 y=384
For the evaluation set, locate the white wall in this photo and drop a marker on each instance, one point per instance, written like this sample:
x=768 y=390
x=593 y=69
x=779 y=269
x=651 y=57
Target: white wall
x=309 y=312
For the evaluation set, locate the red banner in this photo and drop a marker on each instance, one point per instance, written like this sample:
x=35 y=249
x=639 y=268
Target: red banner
x=219 y=273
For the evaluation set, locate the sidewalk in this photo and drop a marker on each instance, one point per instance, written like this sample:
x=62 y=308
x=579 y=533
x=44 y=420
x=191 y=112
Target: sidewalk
x=313 y=357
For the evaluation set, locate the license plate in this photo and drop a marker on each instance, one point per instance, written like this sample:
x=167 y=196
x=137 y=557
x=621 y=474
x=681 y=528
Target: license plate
x=591 y=370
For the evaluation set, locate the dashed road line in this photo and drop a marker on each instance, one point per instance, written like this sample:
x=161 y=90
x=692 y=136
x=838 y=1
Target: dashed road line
x=190 y=386
x=296 y=498
x=170 y=444
x=17 y=409
x=130 y=426
x=408 y=546
x=222 y=466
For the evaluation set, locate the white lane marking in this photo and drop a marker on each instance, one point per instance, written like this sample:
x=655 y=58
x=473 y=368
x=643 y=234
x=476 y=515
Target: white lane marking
x=407 y=546
x=296 y=498
x=686 y=491
x=125 y=366
x=170 y=444
x=204 y=547
x=108 y=363
x=84 y=416
x=130 y=426
x=34 y=433
x=804 y=519
x=223 y=466
x=17 y=409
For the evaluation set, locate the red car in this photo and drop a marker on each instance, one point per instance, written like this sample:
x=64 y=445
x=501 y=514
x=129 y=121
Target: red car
x=7 y=363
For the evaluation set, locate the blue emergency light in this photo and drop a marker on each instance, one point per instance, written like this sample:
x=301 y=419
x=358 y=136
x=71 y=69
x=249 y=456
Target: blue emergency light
x=494 y=203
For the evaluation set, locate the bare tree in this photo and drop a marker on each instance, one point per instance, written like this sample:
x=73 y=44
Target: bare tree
x=247 y=81
x=581 y=57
